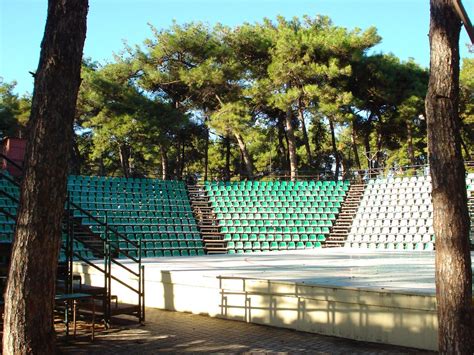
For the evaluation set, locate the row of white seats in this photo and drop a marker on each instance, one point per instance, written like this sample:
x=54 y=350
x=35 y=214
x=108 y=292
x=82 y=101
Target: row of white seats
x=392 y=246
x=382 y=238
x=392 y=230
x=374 y=213
x=425 y=187
x=404 y=196
x=393 y=208
x=412 y=222
x=398 y=180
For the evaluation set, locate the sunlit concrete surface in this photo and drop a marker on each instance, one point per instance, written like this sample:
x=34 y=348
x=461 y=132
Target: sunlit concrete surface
x=379 y=296
x=340 y=267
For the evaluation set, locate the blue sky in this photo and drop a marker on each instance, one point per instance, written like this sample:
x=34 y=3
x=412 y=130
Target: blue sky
x=403 y=25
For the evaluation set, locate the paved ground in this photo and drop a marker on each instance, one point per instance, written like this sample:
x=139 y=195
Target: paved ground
x=183 y=332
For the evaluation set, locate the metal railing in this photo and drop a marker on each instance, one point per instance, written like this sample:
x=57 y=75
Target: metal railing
x=111 y=239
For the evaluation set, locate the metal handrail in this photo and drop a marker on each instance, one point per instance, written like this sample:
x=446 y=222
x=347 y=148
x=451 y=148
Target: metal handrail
x=109 y=245
x=11 y=161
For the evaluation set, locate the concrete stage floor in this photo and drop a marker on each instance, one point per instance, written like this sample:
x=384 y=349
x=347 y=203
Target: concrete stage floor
x=395 y=271
x=377 y=296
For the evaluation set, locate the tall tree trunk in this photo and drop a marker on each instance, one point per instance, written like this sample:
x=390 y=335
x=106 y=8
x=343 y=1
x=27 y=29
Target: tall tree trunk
x=305 y=132
x=102 y=171
x=164 y=162
x=282 y=151
x=334 y=149
x=290 y=135
x=368 y=154
x=450 y=217
x=29 y=298
x=379 y=148
x=227 y=158
x=206 y=151
x=75 y=157
x=466 y=149
x=354 y=147
x=124 y=154
x=410 y=148
x=247 y=160
x=181 y=160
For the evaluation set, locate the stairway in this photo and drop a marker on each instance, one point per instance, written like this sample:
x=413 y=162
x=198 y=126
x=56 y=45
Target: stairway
x=86 y=236
x=108 y=251
x=342 y=227
x=206 y=220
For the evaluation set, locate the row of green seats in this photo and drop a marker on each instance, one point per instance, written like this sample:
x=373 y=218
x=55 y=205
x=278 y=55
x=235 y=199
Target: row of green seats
x=270 y=216
x=135 y=214
x=6 y=237
x=161 y=236
x=151 y=202
x=127 y=198
x=6 y=202
x=166 y=253
x=164 y=245
x=323 y=214
x=13 y=191
x=271 y=245
x=123 y=189
x=273 y=230
x=275 y=223
x=146 y=221
x=278 y=192
x=137 y=228
x=135 y=207
x=274 y=209
x=275 y=237
x=272 y=204
x=233 y=199
x=7 y=228
x=4 y=219
x=100 y=192
x=276 y=183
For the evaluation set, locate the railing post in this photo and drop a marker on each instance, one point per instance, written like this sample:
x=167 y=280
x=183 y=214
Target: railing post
x=69 y=247
x=140 y=277
x=107 y=279
x=142 y=295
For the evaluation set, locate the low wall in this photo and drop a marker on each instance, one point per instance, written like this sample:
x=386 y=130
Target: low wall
x=406 y=319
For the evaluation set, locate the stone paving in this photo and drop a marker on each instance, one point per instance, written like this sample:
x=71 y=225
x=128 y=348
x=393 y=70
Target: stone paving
x=173 y=332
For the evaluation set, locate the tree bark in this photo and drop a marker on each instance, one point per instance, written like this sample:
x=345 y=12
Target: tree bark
x=227 y=158
x=367 y=150
x=410 y=148
x=305 y=132
x=206 y=152
x=334 y=149
x=290 y=135
x=247 y=160
x=124 y=154
x=181 y=153
x=466 y=149
x=354 y=147
x=164 y=162
x=75 y=159
x=29 y=298
x=451 y=218
x=283 y=153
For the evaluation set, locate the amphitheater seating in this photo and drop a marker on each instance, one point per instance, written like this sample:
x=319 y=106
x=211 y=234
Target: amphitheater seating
x=396 y=214
x=275 y=215
x=156 y=212
x=7 y=225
